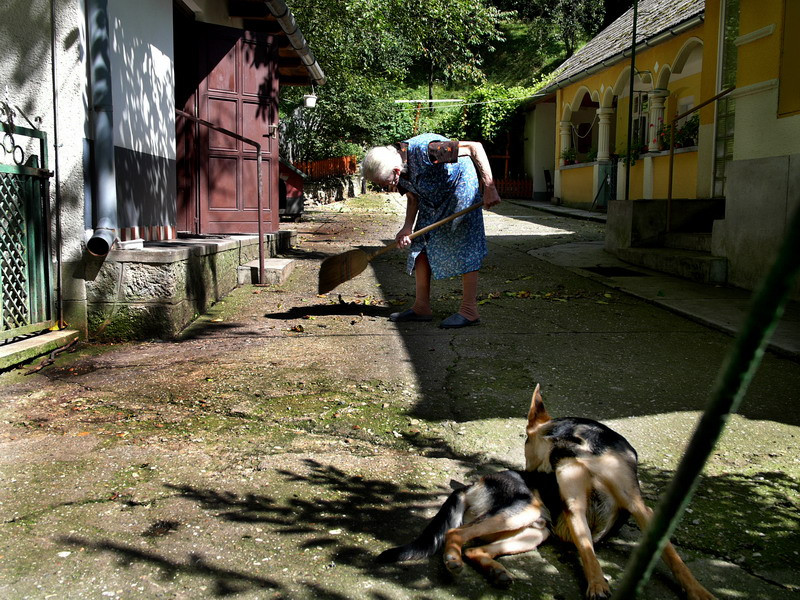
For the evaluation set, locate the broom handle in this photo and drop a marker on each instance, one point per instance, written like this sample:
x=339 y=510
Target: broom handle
x=430 y=227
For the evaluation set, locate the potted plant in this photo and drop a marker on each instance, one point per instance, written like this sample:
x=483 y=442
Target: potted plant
x=662 y=135
x=686 y=135
x=569 y=156
x=634 y=155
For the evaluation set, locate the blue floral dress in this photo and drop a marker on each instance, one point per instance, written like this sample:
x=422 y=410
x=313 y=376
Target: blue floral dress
x=444 y=188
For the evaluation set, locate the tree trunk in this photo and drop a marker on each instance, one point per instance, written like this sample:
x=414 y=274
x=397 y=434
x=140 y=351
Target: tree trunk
x=430 y=85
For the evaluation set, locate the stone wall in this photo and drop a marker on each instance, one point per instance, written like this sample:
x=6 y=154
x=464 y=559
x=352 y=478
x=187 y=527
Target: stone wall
x=156 y=291
x=333 y=189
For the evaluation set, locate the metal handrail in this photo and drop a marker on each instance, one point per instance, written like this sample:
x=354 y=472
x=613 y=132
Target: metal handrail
x=672 y=145
x=257 y=145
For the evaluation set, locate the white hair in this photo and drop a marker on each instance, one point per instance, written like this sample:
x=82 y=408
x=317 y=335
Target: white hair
x=379 y=162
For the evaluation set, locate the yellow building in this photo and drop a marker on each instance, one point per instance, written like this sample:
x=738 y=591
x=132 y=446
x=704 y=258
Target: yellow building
x=735 y=165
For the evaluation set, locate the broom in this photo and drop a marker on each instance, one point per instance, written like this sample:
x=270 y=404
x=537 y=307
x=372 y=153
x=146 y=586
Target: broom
x=343 y=267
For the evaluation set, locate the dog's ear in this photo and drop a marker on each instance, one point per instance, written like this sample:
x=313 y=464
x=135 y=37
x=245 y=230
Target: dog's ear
x=537 y=414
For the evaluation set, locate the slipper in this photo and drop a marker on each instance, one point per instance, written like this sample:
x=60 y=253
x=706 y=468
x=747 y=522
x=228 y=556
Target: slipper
x=457 y=320
x=408 y=315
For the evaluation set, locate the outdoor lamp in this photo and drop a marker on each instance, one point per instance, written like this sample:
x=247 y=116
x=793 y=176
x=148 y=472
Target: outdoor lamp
x=310 y=100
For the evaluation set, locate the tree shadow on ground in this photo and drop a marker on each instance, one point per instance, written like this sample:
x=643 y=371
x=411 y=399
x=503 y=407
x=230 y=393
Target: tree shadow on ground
x=226 y=582
x=352 y=502
x=750 y=520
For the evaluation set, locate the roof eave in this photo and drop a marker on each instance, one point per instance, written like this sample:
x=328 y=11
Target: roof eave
x=650 y=42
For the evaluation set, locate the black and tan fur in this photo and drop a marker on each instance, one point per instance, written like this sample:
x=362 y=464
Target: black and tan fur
x=580 y=483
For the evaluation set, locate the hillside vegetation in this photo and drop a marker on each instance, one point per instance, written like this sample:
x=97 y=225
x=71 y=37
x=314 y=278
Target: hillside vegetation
x=490 y=53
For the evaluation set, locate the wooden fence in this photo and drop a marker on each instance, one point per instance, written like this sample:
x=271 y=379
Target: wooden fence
x=339 y=165
x=514 y=188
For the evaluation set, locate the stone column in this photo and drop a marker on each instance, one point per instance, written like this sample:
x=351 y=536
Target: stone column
x=564 y=131
x=604 y=116
x=656 y=116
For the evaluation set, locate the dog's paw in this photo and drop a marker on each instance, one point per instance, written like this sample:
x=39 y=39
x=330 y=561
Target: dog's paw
x=598 y=591
x=700 y=593
x=499 y=577
x=453 y=562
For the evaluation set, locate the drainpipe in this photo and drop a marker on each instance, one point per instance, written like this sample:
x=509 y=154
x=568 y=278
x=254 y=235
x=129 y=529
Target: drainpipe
x=106 y=207
x=56 y=168
x=286 y=20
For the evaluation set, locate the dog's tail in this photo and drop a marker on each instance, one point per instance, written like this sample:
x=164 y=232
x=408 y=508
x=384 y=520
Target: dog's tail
x=450 y=515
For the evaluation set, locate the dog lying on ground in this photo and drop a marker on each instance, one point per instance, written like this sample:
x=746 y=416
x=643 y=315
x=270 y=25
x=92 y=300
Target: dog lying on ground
x=580 y=483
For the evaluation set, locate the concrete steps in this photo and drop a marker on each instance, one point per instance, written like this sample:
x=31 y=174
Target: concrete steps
x=689 y=264
x=276 y=271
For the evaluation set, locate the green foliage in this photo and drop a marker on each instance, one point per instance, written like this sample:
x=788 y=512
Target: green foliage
x=367 y=49
x=529 y=49
x=634 y=154
x=448 y=36
x=376 y=51
x=686 y=135
x=488 y=111
x=355 y=110
x=569 y=21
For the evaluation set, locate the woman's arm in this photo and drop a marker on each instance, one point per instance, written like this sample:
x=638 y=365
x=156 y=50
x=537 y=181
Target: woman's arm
x=478 y=155
x=412 y=205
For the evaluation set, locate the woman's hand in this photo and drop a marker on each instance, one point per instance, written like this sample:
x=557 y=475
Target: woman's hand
x=402 y=238
x=490 y=196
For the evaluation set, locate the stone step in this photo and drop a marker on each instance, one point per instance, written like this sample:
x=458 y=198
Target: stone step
x=688 y=241
x=276 y=271
x=689 y=264
x=28 y=349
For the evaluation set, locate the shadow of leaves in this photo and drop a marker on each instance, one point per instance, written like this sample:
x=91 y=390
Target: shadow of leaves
x=226 y=582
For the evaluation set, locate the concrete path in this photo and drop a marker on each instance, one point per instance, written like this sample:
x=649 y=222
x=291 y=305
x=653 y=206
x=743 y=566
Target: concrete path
x=721 y=307
x=288 y=438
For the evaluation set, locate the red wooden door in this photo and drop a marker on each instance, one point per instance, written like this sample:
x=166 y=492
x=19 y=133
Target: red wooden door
x=239 y=92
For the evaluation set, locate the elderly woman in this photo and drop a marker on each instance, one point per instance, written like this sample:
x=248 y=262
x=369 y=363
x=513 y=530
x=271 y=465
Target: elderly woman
x=438 y=177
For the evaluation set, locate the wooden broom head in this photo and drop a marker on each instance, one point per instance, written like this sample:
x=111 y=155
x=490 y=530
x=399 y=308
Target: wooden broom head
x=335 y=270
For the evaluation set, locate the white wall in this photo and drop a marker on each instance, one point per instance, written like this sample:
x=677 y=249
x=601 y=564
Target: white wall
x=540 y=135
x=759 y=131
x=143 y=73
x=26 y=74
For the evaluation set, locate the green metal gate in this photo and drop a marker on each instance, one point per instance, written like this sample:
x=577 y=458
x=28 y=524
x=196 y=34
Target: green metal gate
x=26 y=300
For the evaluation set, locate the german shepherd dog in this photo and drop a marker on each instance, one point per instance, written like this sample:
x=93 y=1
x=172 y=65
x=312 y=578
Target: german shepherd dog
x=580 y=483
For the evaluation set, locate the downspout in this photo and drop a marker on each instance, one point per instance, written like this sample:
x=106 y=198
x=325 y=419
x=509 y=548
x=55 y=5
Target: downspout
x=54 y=71
x=106 y=193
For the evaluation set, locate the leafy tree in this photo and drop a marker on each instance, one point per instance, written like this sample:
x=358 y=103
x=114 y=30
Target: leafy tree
x=368 y=49
x=358 y=45
x=577 y=20
x=447 y=36
x=489 y=109
x=572 y=21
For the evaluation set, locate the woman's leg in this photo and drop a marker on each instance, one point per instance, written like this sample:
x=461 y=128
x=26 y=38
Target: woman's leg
x=469 y=297
x=422 y=277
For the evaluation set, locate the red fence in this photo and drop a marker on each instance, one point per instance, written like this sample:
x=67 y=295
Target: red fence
x=340 y=165
x=514 y=188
